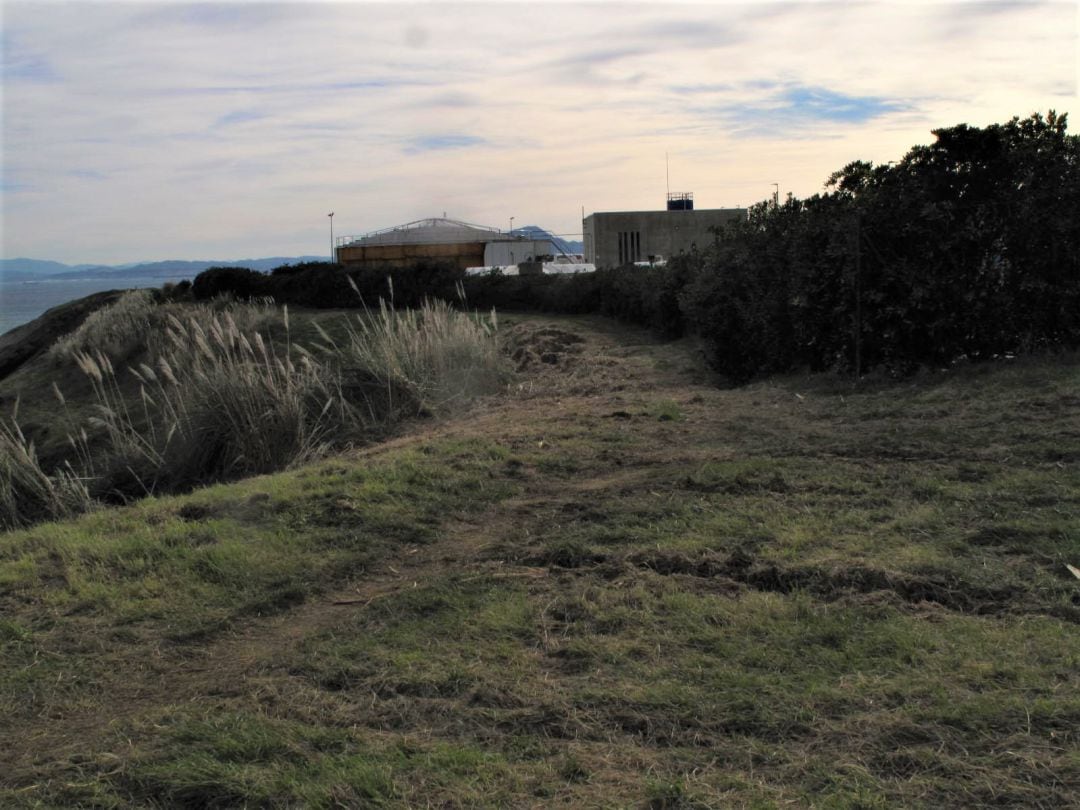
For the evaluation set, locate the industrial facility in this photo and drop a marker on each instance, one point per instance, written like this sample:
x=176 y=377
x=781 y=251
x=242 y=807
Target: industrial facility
x=442 y=240
x=611 y=239
x=617 y=238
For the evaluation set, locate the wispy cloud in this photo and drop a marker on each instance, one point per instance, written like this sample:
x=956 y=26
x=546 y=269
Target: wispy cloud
x=239 y=117
x=820 y=104
x=440 y=143
x=290 y=88
x=219 y=16
x=767 y=109
x=23 y=64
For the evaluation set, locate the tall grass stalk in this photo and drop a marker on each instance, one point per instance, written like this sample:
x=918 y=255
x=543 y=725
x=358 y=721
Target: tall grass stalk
x=426 y=359
x=136 y=322
x=213 y=398
x=117 y=330
x=216 y=403
x=28 y=494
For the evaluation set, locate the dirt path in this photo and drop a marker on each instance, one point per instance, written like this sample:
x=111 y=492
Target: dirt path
x=582 y=373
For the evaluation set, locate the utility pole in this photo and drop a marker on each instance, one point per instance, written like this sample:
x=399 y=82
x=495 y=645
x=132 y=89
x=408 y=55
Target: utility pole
x=332 y=257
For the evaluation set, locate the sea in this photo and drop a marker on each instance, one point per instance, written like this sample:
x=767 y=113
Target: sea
x=22 y=301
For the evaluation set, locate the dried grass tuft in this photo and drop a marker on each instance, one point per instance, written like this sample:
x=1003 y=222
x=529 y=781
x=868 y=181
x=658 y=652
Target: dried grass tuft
x=430 y=359
x=28 y=494
x=217 y=399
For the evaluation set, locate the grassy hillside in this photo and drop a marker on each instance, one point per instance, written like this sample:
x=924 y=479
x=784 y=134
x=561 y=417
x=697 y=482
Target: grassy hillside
x=618 y=586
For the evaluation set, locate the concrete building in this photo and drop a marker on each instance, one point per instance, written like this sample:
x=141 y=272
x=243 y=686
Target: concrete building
x=617 y=238
x=444 y=240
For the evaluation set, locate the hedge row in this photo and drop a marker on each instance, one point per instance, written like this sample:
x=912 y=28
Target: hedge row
x=966 y=249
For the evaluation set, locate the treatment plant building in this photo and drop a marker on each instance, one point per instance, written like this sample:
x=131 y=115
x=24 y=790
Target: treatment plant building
x=617 y=238
x=440 y=240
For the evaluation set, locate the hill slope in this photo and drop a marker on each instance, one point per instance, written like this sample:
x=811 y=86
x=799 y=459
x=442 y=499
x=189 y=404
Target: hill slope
x=619 y=586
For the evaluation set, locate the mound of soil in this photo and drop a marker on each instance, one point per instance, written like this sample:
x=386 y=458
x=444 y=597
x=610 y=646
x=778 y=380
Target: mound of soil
x=530 y=345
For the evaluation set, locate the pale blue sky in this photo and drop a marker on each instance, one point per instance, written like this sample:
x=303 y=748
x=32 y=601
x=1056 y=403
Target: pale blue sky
x=147 y=130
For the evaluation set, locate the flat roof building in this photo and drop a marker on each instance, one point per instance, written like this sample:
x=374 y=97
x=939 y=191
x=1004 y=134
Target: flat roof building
x=617 y=238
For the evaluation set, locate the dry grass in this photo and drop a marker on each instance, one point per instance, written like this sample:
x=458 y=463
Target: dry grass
x=216 y=403
x=117 y=330
x=215 y=397
x=426 y=360
x=136 y=322
x=28 y=494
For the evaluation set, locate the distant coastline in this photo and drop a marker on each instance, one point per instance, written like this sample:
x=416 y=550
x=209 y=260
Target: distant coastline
x=29 y=287
x=23 y=300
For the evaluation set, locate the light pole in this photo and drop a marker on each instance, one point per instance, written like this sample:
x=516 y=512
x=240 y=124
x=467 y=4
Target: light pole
x=331 y=215
x=511 y=226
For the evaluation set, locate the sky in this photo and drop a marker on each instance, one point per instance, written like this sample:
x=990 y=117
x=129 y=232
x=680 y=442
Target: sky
x=143 y=131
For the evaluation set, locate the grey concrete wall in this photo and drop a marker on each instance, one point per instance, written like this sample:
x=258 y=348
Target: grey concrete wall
x=650 y=233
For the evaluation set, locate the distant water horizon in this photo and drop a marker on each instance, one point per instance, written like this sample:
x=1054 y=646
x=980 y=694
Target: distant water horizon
x=22 y=301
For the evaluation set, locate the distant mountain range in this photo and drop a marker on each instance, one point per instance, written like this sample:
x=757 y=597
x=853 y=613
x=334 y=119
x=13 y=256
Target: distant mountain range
x=536 y=232
x=37 y=269
x=172 y=269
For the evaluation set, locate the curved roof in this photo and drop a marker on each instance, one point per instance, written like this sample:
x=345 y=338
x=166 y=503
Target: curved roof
x=429 y=231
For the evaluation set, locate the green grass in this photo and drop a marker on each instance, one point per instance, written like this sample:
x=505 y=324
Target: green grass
x=187 y=569
x=793 y=594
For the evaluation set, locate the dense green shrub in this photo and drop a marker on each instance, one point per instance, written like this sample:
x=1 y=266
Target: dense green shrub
x=647 y=296
x=968 y=248
x=326 y=285
x=237 y=281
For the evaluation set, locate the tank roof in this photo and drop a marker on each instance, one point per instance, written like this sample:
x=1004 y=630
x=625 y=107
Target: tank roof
x=430 y=231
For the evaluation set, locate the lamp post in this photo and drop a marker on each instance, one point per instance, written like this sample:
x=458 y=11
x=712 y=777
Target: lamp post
x=331 y=215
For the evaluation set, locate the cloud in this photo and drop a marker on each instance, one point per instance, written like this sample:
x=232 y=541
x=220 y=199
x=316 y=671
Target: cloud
x=602 y=56
x=220 y=16
x=692 y=33
x=820 y=104
x=440 y=143
x=777 y=109
x=696 y=89
x=239 y=117
x=272 y=88
x=24 y=65
x=86 y=174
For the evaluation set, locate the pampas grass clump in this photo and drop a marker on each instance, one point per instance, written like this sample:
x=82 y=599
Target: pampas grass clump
x=216 y=403
x=28 y=494
x=216 y=399
x=118 y=329
x=426 y=360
